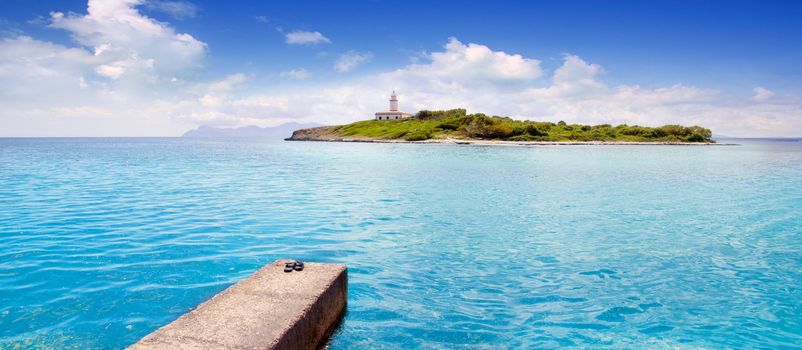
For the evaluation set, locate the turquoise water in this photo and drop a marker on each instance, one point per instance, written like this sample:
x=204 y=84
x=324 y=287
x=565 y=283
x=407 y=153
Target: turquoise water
x=104 y=240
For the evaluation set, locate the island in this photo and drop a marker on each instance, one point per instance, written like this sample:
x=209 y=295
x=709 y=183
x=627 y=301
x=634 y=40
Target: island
x=457 y=126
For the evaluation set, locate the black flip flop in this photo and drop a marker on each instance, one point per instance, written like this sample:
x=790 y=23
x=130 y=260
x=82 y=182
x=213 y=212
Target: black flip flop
x=288 y=267
x=299 y=265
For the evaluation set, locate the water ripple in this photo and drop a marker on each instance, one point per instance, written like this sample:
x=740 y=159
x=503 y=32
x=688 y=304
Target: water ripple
x=104 y=240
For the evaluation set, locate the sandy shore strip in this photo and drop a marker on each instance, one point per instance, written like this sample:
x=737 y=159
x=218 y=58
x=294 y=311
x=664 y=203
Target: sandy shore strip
x=515 y=143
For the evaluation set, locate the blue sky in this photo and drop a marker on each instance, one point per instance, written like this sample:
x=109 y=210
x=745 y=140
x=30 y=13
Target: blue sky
x=729 y=65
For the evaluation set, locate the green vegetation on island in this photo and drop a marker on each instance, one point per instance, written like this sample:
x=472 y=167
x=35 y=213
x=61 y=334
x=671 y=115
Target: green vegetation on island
x=457 y=124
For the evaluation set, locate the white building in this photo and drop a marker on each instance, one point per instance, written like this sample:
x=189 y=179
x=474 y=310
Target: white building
x=393 y=113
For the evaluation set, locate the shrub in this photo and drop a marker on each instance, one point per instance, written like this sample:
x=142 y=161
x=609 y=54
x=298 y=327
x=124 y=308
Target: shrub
x=417 y=135
x=695 y=138
x=434 y=115
x=533 y=130
x=498 y=131
x=451 y=124
x=429 y=124
x=524 y=137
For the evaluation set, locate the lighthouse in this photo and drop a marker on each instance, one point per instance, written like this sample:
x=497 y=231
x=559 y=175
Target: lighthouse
x=393 y=102
x=393 y=113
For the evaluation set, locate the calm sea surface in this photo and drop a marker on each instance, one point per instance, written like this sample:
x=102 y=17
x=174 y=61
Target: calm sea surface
x=104 y=240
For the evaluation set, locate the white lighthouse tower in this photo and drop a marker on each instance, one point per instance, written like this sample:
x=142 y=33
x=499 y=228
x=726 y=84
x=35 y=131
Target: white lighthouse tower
x=393 y=102
x=393 y=113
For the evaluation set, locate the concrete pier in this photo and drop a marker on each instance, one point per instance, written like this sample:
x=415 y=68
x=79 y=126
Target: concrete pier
x=271 y=309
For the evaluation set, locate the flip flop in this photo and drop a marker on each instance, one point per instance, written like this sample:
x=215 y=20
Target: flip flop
x=299 y=265
x=288 y=267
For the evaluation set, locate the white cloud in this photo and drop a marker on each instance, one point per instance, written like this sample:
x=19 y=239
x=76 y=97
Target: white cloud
x=298 y=74
x=576 y=71
x=227 y=84
x=300 y=37
x=480 y=79
x=106 y=84
x=762 y=94
x=125 y=39
x=478 y=63
x=351 y=59
x=31 y=69
x=128 y=74
x=176 y=9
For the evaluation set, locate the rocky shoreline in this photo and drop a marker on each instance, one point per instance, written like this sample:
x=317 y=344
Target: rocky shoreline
x=302 y=135
x=518 y=143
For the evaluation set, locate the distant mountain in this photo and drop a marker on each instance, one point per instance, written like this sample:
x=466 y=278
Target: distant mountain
x=277 y=132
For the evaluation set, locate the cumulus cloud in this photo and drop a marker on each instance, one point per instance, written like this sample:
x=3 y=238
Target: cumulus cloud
x=127 y=74
x=300 y=37
x=477 y=63
x=298 y=74
x=31 y=68
x=576 y=71
x=480 y=79
x=104 y=84
x=351 y=59
x=123 y=39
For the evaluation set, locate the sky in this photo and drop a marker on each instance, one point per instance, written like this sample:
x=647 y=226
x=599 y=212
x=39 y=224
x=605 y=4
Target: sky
x=162 y=67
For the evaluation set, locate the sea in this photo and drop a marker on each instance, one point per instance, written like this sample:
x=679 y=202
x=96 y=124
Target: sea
x=103 y=240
